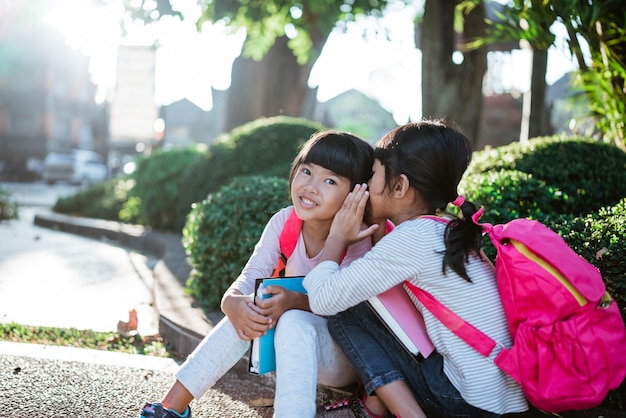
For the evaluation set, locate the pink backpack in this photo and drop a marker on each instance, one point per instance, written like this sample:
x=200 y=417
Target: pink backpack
x=569 y=340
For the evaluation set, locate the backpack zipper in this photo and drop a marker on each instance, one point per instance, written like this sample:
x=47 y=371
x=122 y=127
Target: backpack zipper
x=582 y=301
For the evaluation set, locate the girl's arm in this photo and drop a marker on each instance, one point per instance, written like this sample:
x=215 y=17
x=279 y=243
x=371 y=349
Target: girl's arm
x=237 y=302
x=240 y=311
x=396 y=258
x=265 y=255
x=283 y=300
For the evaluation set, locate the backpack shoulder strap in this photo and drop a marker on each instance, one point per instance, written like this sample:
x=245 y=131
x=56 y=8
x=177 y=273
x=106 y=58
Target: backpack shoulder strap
x=289 y=235
x=287 y=242
x=475 y=338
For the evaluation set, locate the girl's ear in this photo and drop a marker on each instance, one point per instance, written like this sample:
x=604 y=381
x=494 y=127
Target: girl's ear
x=402 y=186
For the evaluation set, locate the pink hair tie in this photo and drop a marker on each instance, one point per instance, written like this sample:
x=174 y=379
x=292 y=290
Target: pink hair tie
x=477 y=215
x=458 y=201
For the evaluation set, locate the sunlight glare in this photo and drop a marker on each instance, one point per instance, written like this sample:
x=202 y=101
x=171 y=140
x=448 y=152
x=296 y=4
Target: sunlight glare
x=94 y=32
x=378 y=58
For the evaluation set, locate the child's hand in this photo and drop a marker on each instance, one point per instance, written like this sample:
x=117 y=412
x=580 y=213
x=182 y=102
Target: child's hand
x=245 y=317
x=281 y=300
x=347 y=223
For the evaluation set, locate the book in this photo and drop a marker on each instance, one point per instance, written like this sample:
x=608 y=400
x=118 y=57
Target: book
x=262 y=353
x=398 y=312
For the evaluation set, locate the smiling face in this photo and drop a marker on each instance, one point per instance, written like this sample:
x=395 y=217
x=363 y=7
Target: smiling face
x=317 y=193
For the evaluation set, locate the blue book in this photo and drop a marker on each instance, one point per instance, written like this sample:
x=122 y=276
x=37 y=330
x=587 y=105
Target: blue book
x=262 y=353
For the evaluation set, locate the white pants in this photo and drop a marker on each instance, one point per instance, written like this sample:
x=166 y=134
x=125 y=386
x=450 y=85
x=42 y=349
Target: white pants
x=305 y=356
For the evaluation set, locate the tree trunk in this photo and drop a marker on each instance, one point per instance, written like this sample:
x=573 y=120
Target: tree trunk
x=539 y=123
x=449 y=90
x=276 y=85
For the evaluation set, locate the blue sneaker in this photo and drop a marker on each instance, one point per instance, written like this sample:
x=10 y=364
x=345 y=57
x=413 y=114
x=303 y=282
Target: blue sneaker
x=156 y=410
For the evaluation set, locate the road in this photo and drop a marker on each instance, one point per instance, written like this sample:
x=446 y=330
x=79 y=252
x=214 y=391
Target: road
x=38 y=193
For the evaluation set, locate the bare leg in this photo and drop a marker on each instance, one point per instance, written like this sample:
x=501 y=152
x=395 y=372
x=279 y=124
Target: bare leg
x=375 y=405
x=177 y=398
x=399 y=400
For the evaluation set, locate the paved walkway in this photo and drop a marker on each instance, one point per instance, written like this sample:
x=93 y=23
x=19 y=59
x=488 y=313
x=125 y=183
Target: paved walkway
x=51 y=278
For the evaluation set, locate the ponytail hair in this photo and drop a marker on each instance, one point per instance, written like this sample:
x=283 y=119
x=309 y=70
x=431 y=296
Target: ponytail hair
x=463 y=238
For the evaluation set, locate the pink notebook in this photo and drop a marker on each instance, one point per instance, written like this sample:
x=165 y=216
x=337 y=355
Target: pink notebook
x=399 y=313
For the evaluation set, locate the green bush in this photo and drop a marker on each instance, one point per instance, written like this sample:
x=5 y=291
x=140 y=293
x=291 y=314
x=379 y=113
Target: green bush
x=154 y=197
x=590 y=174
x=72 y=337
x=264 y=147
x=560 y=183
x=599 y=238
x=8 y=208
x=507 y=194
x=102 y=200
x=221 y=232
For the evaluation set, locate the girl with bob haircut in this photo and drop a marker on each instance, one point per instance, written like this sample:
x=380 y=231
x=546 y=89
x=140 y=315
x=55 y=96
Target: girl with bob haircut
x=327 y=167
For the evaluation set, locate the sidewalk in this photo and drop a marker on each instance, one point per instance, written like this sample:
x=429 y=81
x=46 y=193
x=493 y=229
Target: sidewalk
x=54 y=279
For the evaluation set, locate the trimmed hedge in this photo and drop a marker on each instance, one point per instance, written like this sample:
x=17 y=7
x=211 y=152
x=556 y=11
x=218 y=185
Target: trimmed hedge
x=166 y=183
x=153 y=199
x=590 y=174
x=264 y=147
x=508 y=194
x=574 y=186
x=102 y=200
x=600 y=238
x=221 y=232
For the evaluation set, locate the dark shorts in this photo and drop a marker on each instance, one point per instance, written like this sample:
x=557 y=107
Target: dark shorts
x=380 y=359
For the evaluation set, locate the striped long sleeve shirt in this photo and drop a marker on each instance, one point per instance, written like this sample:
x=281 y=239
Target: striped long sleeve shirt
x=413 y=251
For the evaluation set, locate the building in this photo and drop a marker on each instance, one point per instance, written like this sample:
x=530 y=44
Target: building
x=134 y=112
x=186 y=124
x=47 y=101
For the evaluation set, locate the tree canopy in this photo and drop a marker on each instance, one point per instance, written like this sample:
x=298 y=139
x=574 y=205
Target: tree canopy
x=601 y=25
x=284 y=39
x=307 y=23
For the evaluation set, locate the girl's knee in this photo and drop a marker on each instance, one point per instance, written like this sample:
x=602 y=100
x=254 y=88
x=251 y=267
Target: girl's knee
x=292 y=320
x=295 y=324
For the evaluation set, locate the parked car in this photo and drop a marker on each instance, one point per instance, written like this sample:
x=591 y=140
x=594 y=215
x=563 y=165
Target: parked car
x=77 y=167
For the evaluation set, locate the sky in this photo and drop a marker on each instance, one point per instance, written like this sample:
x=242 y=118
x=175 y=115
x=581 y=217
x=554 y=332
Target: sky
x=387 y=70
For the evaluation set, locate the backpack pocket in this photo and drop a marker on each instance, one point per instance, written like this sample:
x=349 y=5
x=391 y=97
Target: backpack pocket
x=570 y=364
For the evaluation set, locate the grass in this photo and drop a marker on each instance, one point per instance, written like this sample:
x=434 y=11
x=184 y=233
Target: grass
x=72 y=337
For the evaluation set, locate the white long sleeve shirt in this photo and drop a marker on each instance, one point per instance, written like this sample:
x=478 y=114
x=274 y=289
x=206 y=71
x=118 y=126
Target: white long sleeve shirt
x=413 y=251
